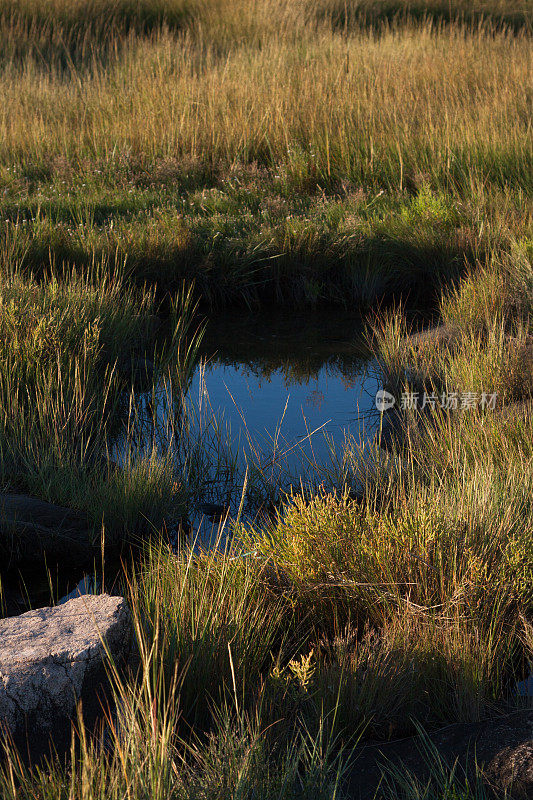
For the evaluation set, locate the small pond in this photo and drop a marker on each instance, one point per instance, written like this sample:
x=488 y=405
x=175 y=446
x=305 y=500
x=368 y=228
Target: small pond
x=286 y=388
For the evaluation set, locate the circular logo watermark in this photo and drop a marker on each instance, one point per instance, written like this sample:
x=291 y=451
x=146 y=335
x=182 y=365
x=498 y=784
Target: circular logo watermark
x=384 y=400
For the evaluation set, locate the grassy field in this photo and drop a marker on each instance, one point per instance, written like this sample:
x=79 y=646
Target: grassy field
x=267 y=149
x=239 y=154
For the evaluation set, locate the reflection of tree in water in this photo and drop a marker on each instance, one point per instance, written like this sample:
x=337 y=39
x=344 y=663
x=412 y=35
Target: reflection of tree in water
x=315 y=399
x=297 y=372
x=299 y=346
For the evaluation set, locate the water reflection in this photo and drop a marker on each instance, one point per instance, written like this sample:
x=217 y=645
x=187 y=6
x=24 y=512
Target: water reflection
x=288 y=387
x=287 y=390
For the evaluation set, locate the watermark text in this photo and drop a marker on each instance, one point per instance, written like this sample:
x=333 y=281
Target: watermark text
x=448 y=401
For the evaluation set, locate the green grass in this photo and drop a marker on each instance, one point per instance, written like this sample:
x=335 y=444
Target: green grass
x=349 y=182
x=294 y=153
x=73 y=347
x=248 y=241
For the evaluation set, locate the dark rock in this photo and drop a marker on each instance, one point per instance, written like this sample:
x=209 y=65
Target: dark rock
x=502 y=747
x=140 y=368
x=216 y=511
x=511 y=770
x=392 y=432
x=30 y=527
x=89 y=584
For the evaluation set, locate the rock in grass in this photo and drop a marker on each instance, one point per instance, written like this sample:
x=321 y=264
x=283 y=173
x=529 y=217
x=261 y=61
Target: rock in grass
x=438 y=337
x=511 y=771
x=30 y=527
x=499 y=751
x=53 y=657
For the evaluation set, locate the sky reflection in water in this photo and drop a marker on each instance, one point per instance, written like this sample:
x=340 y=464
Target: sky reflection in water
x=284 y=380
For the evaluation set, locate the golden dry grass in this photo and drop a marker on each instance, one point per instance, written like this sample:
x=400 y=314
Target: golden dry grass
x=447 y=107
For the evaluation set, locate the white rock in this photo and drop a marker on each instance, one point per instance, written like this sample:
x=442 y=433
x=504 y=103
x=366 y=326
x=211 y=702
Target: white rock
x=52 y=657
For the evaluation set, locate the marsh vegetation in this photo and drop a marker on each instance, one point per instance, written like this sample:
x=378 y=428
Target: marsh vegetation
x=163 y=160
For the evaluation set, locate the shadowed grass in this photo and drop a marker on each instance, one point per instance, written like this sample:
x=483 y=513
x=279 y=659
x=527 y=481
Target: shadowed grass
x=495 y=14
x=72 y=347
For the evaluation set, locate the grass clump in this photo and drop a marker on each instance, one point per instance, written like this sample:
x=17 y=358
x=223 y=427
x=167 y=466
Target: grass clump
x=210 y=617
x=73 y=345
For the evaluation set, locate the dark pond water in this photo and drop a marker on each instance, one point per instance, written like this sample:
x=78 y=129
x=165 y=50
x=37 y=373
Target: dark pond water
x=287 y=389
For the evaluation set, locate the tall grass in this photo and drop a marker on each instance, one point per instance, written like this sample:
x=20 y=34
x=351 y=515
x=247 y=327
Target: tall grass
x=295 y=152
x=72 y=357
x=265 y=153
x=209 y=616
x=343 y=113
